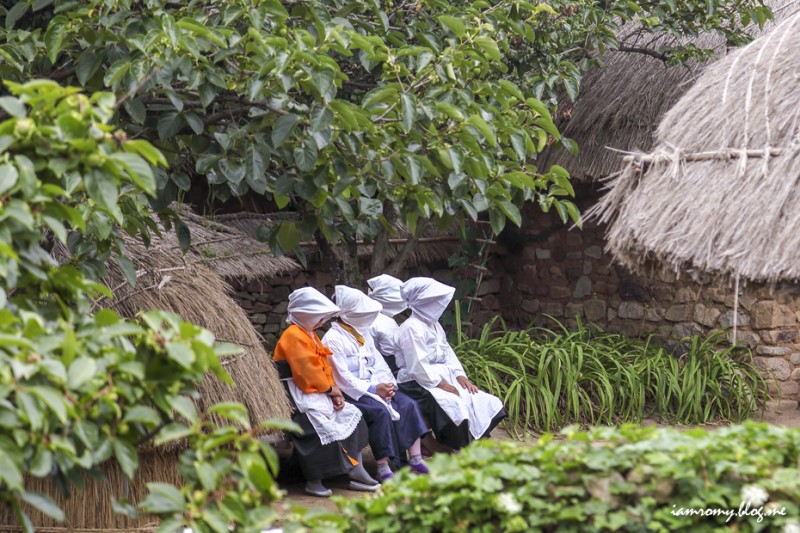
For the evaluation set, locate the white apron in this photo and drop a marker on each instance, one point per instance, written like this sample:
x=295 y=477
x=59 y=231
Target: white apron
x=330 y=425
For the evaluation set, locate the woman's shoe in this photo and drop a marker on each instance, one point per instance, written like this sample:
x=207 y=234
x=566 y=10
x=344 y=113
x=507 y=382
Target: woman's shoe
x=357 y=485
x=419 y=468
x=317 y=489
x=386 y=477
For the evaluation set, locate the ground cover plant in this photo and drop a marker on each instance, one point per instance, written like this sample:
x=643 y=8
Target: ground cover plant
x=738 y=478
x=549 y=378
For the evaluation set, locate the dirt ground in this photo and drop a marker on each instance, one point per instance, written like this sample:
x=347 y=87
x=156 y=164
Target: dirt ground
x=785 y=413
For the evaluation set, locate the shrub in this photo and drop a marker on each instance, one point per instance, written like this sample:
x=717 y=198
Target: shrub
x=551 y=378
x=626 y=479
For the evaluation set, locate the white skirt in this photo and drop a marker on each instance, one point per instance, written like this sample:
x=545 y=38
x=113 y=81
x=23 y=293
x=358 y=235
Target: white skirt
x=480 y=408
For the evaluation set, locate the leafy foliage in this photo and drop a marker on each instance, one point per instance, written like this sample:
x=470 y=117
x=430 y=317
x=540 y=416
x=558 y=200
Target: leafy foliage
x=551 y=378
x=607 y=479
x=352 y=113
x=76 y=387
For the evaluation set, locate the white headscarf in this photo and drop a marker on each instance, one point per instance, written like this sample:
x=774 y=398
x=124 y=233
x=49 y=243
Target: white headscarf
x=356 y=309
x=427 y=297
x=386 y=290
x=308 y=307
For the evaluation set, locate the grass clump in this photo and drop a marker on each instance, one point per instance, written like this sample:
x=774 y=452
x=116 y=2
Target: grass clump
x=550 y=378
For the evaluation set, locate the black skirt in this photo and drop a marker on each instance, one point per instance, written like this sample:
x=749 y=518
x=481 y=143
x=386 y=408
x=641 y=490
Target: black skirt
x=320 y=461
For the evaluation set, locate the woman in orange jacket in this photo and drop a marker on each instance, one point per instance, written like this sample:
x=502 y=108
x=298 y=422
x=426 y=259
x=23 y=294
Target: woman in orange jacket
x=333 y=431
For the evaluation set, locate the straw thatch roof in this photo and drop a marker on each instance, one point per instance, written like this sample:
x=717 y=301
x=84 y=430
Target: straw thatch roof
x=166 y=281
x=721 y=188
x=434 y=245
x=619 y=106
x=228 y=252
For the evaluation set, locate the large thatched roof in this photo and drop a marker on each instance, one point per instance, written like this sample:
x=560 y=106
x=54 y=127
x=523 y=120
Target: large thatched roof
x=619 y=106
x=166 y=281
x=226 y=251
x=721 y=188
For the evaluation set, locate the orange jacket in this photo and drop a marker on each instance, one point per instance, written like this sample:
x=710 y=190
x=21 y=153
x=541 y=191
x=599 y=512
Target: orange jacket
x=308 y=359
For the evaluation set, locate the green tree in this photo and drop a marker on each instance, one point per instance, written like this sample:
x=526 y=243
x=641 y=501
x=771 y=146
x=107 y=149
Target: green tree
x=353 y=115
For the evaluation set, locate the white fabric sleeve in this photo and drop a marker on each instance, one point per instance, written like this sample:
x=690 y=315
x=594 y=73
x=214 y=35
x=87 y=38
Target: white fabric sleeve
x=416 y=355
x=348 y=382
x=452 y=359
x=381 y=373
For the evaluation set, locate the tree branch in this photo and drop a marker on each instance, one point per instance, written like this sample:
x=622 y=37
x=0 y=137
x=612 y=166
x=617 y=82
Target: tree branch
x=405 y=253
x=645 y=51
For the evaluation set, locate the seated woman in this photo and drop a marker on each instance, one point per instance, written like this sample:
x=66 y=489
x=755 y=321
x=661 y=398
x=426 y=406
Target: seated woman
x=394 y=420
x=385 y=289
x=333 y=431
x=431 y=373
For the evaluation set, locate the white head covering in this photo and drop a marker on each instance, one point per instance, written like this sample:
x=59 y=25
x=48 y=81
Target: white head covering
x=427 y=297
x=308 y=307
x=357 y=309
x=386 y=290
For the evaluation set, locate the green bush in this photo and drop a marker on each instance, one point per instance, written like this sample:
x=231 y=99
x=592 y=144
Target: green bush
x=551 y=378
x=626 y=479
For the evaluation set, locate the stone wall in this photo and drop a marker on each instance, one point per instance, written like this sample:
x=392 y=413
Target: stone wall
x=266 y=301
x=552 y=270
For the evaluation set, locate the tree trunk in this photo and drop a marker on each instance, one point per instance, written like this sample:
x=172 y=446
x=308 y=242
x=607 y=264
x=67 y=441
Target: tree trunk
x=399 y=263
x=330 y=259
x=380 y=248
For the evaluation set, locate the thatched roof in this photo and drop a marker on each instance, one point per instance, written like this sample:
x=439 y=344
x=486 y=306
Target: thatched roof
x=167 y=282
x=434 y=245
x=228 y=252
x=721 y=188
x=619 y=106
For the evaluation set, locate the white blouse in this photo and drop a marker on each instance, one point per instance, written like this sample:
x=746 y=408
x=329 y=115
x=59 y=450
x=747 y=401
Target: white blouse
x=425 y=356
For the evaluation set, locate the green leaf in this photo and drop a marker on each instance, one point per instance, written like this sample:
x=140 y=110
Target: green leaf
x=126 y=457
x=146 y=150
x=184 y=236
x=172 y=432
x=511 y=211
x=207 y=475
x=409 y=112
x=52 y=399
x=139 y=171
x=9 y=471
x=453 y=24
x=489 y=47
x=87 y=65
x=484 y=128
x=233 y=411
x=181 y=353
x=163 y=499
x=184 y=407
x=8 y=177
x=283 y=128
x=44 y=504
x=102 y=188
x=142 y=414
x=80 y=371
x=289 y=236
x=305 y=156
x=170 y=124
x=13 y=106
x=15 y=13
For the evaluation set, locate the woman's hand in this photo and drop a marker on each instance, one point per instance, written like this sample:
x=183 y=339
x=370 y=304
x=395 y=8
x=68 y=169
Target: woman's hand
x=447 y=387
x=467 y=384
x=385 y=390
x=337 y=398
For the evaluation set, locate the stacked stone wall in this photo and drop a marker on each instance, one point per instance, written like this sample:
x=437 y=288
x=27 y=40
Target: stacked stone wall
x=567 y=274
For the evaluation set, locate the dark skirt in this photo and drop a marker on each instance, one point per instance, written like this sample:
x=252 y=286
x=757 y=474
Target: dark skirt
x=389 y=438
x=444 y=429
x=333 y=459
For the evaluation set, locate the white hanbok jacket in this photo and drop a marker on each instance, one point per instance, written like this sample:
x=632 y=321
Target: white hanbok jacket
x=356 y=368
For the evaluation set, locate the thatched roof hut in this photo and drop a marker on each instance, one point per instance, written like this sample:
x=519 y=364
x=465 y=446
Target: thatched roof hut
x=720 y=190
x=620 y=105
